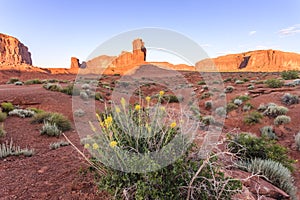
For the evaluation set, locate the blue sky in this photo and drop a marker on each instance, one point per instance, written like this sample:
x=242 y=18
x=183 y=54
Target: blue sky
x=55 y=30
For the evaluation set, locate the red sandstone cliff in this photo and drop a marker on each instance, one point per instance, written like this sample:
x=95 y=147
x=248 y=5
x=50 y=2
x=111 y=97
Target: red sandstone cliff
x=253 y=61
x=13 y=52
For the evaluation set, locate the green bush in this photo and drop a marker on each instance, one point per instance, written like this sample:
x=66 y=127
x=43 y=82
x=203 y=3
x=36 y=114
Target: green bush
x=201 y=83
x=273 y=110
x=58 y=119
x=7 y=107
x=268 y=132
x=98 y=96
x=207 y=120
x=289 y=75
x=253 y=118
x=228 y=89
x=275 y=172
x=2 y=116
x=274 y=83
x=206 y=95
x=289 y=99
x=36 y=110
x=12 y=80
x=71 y=90
x=208 y=104
x=248 y=147
x=239 y=82
x=282 y=119
x=231 y=107
x=33 y=81
x=227 y=80
x=243 y=98
x=53 y=87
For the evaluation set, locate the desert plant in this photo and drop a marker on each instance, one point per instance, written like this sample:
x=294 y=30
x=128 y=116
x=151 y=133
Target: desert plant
x=209 y=119
x=71 y=90
x=19 y=83
x=268 y=132
x=250 y=87
x=172 y=98
x=231 y=107
x=242 y=98
x=289 y=99
x=227 y=80
x=86 y=86
x=33 y=81
x=10 y=149
x=7 y=107
x=201 y=83
x=275 y=172
x=248 y=147
x=282 y=119
x=289 y=75
x=228 y=89
x=2 y=131
x=221 y=111
x=36 y=110
x=21 y=113
x=2 y=116
x=239 y=82
x=79 y=113
x=50 y=129
x=206 y=95
x=56 y=145
x=12 y=80
x=273 y=110
x=58 y=119
x=274 y=83
x=84 y=96
x=253 y=118
x=237 y=102
x=208 y=104
x=262 y=107
x=297 y=140
x=53 y=87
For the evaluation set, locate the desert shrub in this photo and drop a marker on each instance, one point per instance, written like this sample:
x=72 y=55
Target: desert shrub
x=2 y=116
x=273 y=110
x=239 y=82
x=245 y=79
x=53 y=87
x=237 y=102
x=206 y=95
x=231 y=107
x=274 y=83
x=201 y=83
x=242 y=98
x=86 y=86
x=79 y=113
x=228 y=89
x=289 y=99
x=248 y=147
x=56 y=145
x=208 y=104
x=204 y=87
x=268 y=132
x=19 y=83
x=58 y=119
x=221 y=111
x=84 y=96
x=173 y=98
x=10 y=149
x=120 y=128
x=297 y=141
x=33 y=81
x=7 y=107
x=262 y=107
x=207 y=120
x=282 y=119
x=289 y=75
x=2 y=131
x=12 y=80
x=98 y=96
x=227 y=80
x=253 y=118
x=250 y=87
x=21 y=113
x=275 y=172
x=36 y=110
x=71 y=90
x=50 y=129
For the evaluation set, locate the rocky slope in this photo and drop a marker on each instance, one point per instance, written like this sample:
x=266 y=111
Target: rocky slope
x=13 y=52
x=253 y=61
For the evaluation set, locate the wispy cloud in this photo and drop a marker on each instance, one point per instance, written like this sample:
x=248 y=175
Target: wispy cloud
x=252 y=33
x=292 y=30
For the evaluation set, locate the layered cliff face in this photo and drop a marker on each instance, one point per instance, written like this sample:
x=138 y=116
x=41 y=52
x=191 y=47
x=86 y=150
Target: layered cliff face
x=13 y=52
x=253 y=61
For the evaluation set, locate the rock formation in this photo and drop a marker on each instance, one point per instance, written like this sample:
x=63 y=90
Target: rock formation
x=253 y=61
x=74 y=63
x=13 y=52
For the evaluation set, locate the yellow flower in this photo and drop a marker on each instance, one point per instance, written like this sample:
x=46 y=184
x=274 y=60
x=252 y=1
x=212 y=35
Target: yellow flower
x=148 y=99
x=137 y=107
x=108 y=121
x=123 y=102
x=173 y=125
x=95 y=146
x=117 y=109
x=161 y=93
x=162 y=108
x=92 y=126
x=113 y=144
x=86 y=146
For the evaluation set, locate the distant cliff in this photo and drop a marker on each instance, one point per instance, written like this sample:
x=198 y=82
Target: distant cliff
x=253 y=61
x=13 y=52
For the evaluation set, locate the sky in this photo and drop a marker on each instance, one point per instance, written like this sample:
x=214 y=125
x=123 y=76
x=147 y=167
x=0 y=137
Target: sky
x=56 y=30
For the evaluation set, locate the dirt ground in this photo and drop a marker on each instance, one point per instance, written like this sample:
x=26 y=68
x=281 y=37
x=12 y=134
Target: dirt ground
x=60 y=173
